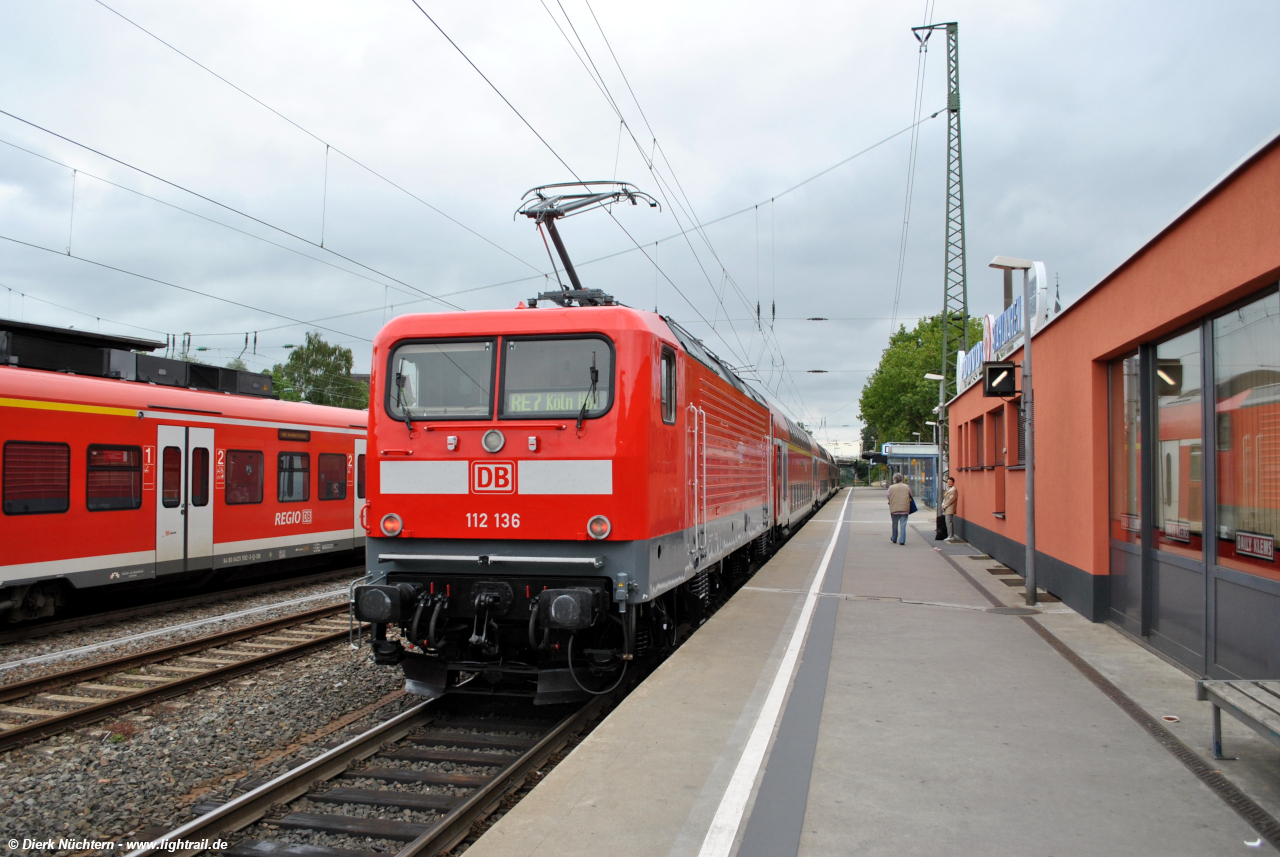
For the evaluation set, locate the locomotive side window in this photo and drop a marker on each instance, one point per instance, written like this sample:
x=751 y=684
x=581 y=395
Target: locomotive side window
x=37 y=478
x=562 y=377
x=668 y=386
x=360 y=476
x=332 y=475
x=171 y=477
x=294 y=471
x=199 y=476
x=441 y=380
x=114 y=479
x=244 y=477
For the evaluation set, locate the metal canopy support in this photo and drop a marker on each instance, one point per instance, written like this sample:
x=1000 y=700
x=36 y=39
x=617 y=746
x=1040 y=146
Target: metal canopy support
x=955 y=293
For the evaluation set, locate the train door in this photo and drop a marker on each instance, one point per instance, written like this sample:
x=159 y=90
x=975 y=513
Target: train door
x=358 y=470
x=695 y=458
x=781 y=480
x=199 y=498
x=171 y=529
x=184 y=508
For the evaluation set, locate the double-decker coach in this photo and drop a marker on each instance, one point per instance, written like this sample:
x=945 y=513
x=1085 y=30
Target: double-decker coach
x=557 y=490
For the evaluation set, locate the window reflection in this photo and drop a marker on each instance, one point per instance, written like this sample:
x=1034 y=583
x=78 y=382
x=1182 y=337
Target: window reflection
x=1178 y=510
x=1126 y=505
x=1246 y=355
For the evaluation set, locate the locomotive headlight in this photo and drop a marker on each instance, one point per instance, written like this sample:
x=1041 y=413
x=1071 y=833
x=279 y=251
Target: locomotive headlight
x=598 y=527
x=392 y=525
x=493 y=440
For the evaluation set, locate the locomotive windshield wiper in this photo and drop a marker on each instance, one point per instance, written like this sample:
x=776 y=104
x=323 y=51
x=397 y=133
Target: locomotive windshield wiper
x=595 y=376
x=400 y=380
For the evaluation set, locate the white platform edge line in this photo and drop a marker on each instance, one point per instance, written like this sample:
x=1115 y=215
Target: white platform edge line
x=728 y=817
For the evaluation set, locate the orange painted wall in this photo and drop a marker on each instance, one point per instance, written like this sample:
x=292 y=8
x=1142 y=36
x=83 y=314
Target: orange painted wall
x=1226 y=247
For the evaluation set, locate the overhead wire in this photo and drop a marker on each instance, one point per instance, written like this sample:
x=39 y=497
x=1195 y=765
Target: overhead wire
x=319 y=139
x=222 y=205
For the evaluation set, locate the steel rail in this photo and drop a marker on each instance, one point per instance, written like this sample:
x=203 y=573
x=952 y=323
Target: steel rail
x=253 y=805
x=75 y=623
x=49 y=726
x=454 y=827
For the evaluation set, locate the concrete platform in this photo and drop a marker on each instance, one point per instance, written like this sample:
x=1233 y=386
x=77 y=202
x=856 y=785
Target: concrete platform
x=905 y=718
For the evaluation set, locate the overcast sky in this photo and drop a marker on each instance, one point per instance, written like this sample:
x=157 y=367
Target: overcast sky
x=1086 y=127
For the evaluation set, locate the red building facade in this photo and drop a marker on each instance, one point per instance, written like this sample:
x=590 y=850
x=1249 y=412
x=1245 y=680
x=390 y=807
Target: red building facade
x=1157 y=434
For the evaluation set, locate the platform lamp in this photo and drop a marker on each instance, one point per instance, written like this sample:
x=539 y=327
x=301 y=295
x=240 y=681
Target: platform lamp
x=1009 y=264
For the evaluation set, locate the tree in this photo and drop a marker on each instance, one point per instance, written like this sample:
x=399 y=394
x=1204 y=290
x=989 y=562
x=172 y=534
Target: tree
x=237 y=363
x=320 y=373
x=897 y=399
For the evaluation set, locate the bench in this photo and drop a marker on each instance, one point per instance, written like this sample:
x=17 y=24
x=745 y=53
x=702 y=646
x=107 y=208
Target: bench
x=1254 y=703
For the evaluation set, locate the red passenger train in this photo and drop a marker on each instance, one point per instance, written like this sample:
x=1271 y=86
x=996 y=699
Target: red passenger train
x=558 y=490
x=107 y=481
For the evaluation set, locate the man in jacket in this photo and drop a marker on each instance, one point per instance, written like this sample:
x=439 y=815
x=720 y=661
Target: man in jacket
x=899 y=508
x=949 y=501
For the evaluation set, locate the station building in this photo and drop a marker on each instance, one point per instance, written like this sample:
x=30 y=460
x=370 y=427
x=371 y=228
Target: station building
x=1157 y=436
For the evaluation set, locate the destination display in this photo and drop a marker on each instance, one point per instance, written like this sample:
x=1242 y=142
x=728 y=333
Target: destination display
x=549 y=402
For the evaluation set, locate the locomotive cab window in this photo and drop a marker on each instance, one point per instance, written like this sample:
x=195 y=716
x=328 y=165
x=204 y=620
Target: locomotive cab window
x=441 y=380
x=37 y=478
x=295 y=477
x=668 y=370
x=244 y=477
x=114 y=478
x=332 y=475
x=563 y=377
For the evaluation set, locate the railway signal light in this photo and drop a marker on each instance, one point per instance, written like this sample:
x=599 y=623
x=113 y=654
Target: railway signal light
x=999 y=379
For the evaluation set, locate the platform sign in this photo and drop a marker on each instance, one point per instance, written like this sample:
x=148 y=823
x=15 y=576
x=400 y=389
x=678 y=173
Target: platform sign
x=220 y=470
x=148 y=468
x=1257 y=545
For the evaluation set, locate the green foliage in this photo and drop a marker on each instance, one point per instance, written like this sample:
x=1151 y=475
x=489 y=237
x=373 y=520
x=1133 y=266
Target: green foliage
x=320 y=373
x=897 y=399
x=237 y=363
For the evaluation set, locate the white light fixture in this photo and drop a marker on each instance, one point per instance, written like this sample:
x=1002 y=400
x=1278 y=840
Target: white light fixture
x=493 y=440
x=933 y=376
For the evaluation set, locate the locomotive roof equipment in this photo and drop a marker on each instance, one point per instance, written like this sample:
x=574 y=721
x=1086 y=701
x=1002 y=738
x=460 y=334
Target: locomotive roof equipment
x=548 y=205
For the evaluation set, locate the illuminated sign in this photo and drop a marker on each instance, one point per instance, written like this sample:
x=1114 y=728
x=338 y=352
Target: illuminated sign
x=294 y=434
x=549 y=402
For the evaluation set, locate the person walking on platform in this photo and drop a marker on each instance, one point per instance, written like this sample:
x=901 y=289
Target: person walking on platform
x=949 y=501
x=900 y=503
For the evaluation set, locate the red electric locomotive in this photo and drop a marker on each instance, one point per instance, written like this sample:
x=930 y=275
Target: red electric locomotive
x=557 y=490
x=107 y=481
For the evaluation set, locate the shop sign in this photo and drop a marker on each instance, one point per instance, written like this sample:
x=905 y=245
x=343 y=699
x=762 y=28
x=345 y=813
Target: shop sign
x=1003 y=335
x=1006 y=333
x=1256 y=545
x=1177 y=531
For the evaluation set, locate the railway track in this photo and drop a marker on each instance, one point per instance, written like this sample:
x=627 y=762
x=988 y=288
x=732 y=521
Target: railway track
x=365 y=788
x=38 y=708
x=33 y=630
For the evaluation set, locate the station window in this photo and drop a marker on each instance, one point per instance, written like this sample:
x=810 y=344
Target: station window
x=199 y=476
x=332 y=475
x=37 y=478
x=244 y=477
x=171 y=477
x=979 y=444
x=668 y=386
x=360 y=476
x=294 y=485
x=114 y=478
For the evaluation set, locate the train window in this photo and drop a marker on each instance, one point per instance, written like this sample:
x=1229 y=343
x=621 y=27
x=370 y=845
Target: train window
x=199 y=476
x=114 y=479
x=37 y=478
x=294 y=477
x=557 y=377
x=441 y=380
x=171 y=477
x=668 y=386
x=244 y=477
x=331 y=472
x=360 y=476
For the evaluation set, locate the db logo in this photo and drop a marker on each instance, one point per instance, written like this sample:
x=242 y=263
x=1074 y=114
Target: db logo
x=300 y=517
x=493 y=477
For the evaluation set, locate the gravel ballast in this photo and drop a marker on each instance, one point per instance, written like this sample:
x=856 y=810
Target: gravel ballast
x=147 y=769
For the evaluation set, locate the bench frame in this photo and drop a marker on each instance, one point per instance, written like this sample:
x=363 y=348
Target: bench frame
x=1256 y=704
